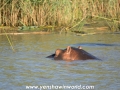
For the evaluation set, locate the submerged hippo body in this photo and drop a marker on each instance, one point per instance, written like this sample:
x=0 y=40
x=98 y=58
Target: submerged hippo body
x=71 y=53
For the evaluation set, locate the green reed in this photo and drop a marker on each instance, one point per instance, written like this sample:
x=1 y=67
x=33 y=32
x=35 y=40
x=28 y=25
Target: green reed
x=9 y=40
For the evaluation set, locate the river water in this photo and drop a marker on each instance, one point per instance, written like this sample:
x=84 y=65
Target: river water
x=28 y=66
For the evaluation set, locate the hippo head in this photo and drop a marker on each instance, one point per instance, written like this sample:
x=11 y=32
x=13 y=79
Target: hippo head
x=71 y=53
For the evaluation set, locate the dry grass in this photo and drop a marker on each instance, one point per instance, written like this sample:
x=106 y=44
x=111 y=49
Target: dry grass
x=57 y=12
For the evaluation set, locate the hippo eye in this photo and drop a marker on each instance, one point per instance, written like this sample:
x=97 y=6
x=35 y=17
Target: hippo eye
x=67 y=52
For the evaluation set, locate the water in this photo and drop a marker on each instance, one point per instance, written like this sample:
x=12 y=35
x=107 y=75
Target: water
x=29 y=67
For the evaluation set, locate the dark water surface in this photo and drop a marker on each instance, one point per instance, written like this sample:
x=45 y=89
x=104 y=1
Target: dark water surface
x=29 y=67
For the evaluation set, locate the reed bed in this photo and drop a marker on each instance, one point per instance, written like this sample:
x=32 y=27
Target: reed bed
x=68 y=13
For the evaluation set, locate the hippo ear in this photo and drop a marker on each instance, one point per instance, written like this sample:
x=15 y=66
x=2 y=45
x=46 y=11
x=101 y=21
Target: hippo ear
x=68 y=50
x=80 y=47
x=57 y=52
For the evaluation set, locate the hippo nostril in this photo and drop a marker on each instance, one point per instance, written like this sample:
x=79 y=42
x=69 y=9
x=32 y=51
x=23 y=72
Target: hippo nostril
x=55 y=56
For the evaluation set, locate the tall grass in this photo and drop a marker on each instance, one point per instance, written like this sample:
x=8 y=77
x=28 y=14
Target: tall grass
x=57 y=12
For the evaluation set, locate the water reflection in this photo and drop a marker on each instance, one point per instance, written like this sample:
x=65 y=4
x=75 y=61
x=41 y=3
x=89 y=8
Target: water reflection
x=95 y=44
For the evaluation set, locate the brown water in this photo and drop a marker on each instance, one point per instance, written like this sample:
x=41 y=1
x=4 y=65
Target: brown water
x=28 y=65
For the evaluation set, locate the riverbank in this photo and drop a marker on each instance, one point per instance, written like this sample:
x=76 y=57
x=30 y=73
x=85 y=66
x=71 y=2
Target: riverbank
x=88 y=28
x=85 y=31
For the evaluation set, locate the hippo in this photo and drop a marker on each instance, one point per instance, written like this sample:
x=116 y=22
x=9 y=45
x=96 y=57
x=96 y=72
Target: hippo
x=72 y=53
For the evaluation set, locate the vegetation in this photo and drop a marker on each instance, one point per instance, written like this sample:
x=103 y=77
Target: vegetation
x=67 y=13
